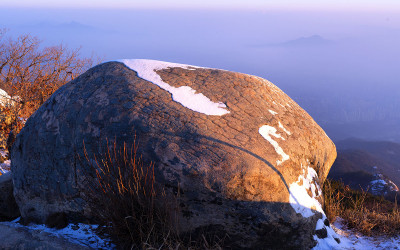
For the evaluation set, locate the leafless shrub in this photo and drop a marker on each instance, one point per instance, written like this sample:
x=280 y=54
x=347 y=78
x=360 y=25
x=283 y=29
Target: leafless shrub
x=30 y=74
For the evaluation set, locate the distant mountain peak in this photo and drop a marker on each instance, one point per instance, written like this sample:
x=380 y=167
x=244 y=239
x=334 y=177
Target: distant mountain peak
x=313 y=40
x=304 y=41
x=72 y=25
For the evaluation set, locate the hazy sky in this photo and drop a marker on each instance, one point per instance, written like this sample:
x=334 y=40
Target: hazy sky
x=351 y=5
x=338 y=59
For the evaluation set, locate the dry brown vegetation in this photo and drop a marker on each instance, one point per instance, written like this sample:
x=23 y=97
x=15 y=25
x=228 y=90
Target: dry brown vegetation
x=131 y=208
x=30 y=74
x=367 y=213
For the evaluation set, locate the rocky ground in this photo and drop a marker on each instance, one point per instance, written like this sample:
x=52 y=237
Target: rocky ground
x=354 y=240
x=82 y=236
x=75 y=236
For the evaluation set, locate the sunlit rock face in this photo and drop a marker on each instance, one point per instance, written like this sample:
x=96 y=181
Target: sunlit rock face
x=248 y=161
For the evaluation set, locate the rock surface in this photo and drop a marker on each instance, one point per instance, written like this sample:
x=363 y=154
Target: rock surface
x=8 y=207
x=247 y=159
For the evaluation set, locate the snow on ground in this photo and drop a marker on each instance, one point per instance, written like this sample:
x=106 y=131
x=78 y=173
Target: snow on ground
x=352 y=240
x=184 y=95
x=266 y=132
x=82 y=234
x=306 y=205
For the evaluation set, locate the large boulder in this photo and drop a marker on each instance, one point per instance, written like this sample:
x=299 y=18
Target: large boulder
x=249 y=162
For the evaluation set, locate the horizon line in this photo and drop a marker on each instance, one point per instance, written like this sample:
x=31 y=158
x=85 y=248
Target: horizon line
x=200 y=7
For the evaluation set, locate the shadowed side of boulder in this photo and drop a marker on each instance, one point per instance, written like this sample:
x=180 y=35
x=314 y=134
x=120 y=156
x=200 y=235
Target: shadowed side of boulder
x=8 y=207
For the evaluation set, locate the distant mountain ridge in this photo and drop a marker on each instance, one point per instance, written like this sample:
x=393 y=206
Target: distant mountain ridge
x=56 y=25
x=305 y=41
x=314 y=40
x=69 y=27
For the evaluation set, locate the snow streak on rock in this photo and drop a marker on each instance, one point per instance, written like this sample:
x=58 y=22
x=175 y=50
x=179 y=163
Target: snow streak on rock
x=184 y=95
x=272 y=112
x=266 y=132
x=283 y=128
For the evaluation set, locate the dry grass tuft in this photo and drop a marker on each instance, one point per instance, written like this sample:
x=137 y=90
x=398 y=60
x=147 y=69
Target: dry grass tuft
x=125 y=199
x=131 y=207
x=367 y=213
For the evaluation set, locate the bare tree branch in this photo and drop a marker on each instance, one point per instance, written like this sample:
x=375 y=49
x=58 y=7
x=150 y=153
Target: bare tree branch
x=30 y=74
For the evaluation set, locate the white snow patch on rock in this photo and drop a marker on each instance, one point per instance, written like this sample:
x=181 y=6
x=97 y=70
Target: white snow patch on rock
x=307 y=206
x=328 y=242
x=5 y=99
x=283 y=128
x=266 y=132
x=378 y=182
x=184 y=95
x=272 y=112
x=299 y=198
